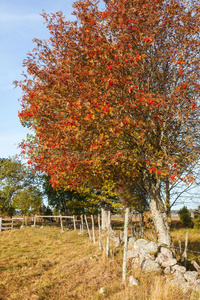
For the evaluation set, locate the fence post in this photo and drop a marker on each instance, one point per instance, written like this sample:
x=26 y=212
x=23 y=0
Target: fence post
x=108 y=236
x=93 y=233
x=34 y=221
x=22 y=226
x=99 y=225
x=61 y=224
x=185 y=252
x=74 y=223
x=12 y=223
x=87 y=227
x=0 y=224
x=82 y=223
x=125 y=244
x=26 y=223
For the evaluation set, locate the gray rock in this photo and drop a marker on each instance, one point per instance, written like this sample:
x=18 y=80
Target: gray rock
x=178 y=280
x=150 y=266
x=191 y=276
x=178 y=268
x=160 y=258
x=130 y=253
x=169 y=263
x=136 y=262
x=131 y=242
x=151 y=247
x=168 y=270
x=166 y=252
x=143 y=254
x=140 y=244
x=115 y=240
x=196 y=285
x=197 y=282
x=133 y=281
x=165 y=261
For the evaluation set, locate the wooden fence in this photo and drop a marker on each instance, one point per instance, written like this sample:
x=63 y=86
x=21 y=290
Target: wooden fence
x=7 y=223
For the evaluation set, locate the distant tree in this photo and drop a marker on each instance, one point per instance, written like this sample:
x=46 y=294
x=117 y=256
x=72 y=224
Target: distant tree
x=185 y=216
x=17 y=186
x=28 y=200
x=197 y=213
x=45 y=210
x=70 y=202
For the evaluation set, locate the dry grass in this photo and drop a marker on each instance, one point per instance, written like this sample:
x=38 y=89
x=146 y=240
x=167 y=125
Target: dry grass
x=43 y=263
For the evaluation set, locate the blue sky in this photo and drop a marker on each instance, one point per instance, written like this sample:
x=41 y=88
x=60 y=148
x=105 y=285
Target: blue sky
x=20 y=22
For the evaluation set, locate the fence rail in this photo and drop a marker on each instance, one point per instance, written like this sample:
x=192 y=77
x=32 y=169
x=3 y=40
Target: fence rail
x=4 y=224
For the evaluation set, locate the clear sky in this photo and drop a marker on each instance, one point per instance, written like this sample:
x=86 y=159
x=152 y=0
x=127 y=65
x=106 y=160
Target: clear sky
x=20 y=23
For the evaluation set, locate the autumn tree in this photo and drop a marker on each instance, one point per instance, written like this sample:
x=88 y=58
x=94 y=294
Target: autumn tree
x=114 y=97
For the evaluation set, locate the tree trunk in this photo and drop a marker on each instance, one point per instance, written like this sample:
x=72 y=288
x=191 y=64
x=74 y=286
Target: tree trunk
x=153 y=187
x=105 y=215
x=167 y=203
x=160 y=221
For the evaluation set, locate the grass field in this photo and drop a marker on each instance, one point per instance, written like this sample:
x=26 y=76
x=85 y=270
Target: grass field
x=43 y=263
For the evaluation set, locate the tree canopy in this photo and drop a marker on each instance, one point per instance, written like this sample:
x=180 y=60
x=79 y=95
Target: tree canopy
x=114 y=96
x=17 y=187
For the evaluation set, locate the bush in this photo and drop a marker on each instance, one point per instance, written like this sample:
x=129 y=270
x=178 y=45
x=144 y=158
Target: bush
x=197 y=213
x=196 y=223
x=185 y=217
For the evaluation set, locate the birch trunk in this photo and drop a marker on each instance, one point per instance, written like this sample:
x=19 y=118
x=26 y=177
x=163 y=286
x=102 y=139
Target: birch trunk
x=125 y=244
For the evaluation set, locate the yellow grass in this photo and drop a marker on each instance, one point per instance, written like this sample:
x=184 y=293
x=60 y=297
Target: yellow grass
x=43 y=263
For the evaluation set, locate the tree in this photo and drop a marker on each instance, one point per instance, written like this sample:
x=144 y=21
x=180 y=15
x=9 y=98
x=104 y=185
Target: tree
x=115 y=95
x=185 y=216
x=70 y=202
x=28 y=200
x=17 y=188
x=197 y=213
x=186 y=186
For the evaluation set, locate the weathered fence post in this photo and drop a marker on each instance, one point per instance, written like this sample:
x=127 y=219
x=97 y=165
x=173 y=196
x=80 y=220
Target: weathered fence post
x=99 y=225
x=26 y=222
x=93 y=233
x=125 y=244
x=74 y=222
x=87 y=227
x=185 y=252
x=34 y=221
x=61 y=224
x=12 y=223
x=0 y=224
x=108 y=236
x=22 y=226
x=82 y=223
